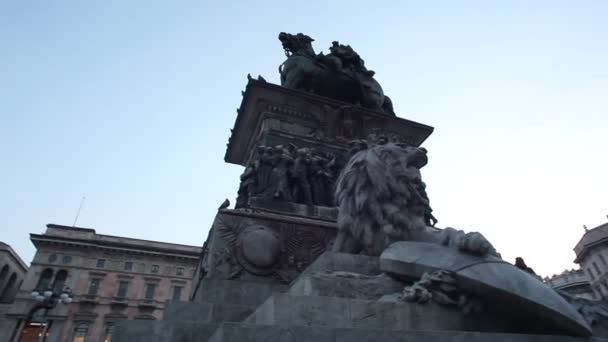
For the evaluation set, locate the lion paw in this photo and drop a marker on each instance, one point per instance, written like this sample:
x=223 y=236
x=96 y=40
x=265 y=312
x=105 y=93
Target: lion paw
x=473 y=242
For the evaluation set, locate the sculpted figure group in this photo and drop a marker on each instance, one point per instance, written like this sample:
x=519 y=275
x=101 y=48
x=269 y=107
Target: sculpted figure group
x=285 y=172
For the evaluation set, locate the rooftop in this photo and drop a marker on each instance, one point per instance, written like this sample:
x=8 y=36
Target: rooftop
x=592 y=237
x=56 y=233
x=11 y=251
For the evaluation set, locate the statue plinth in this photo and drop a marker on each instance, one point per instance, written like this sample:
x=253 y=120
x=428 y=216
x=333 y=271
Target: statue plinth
x=270 y=114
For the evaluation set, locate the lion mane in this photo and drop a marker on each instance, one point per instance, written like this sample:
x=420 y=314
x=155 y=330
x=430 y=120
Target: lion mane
x=381 y=198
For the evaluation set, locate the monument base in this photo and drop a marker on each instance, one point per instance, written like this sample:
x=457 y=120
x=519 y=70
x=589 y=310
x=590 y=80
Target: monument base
x=339 y=297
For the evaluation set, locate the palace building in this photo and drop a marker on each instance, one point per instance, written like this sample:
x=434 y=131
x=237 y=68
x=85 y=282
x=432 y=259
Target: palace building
x=81 y=283
x=592 y=255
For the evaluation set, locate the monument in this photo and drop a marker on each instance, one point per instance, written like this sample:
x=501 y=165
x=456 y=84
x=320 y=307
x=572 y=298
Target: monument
x=333 y=238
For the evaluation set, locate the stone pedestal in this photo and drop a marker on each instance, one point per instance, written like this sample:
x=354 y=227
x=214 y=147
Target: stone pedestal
x=262 y=247
x=325 y=312
x=273 y=115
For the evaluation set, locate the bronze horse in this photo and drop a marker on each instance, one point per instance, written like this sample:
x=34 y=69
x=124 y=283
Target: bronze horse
x=339 y=75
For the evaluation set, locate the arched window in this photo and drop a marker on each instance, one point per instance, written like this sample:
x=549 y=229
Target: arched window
x=59 y=282
x=80 y=332
x=45 y=280
x=8 y=288
x=3 y=274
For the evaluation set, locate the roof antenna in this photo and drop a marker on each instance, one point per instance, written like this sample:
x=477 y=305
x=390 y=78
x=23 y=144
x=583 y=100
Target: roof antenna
x=78 y=212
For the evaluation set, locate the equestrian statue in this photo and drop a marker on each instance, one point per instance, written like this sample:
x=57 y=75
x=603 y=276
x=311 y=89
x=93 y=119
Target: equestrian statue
x=340 y=75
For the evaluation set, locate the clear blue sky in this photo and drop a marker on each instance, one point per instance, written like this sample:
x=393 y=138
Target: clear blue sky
x=130 y=103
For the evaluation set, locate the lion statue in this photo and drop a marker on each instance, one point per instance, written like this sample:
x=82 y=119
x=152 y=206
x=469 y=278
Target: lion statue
x=382 y=199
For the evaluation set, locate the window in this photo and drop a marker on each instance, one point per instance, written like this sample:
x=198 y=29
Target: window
x=80 y=333
x=603 y=260
x=109 y=331
x=59 y=283
x=45 y=279
x=597 y=269
x=149 y=291
x=39 y=315
x=128 y=266
x=8 y=288
x=123 y=286
x=94 y=287
x=101 y=263
x=180 y=271
x=66 y=259
x=52 y=257
x=155 y=268
x=590 y=274
x=177 y=293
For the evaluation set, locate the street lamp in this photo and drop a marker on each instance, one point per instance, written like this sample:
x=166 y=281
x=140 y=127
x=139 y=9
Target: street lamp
x=50 y=298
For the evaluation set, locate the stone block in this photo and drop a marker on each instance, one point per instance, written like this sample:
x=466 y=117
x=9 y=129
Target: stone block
x=287 y=310
x=239 y=332
x=332 y=262
x=222 y=291
x=202 y=312
x=191 y=332
x=283 y=246
x=140 y=331
x=344 y=285
x=162 y=331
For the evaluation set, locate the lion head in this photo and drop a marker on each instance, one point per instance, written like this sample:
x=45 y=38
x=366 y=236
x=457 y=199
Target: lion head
x=381 y=197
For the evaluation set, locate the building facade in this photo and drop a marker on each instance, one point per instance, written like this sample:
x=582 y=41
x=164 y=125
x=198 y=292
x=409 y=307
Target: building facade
x=12 y=273
x=111 y=278
x=573 y=282
x=592 y=256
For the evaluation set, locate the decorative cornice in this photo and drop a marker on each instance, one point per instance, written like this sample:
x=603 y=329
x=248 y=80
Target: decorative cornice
x=85 y=316
x=115 y=316
x=38 y=239
x=98 y=274
x=109 y=270
x=153 y=279
x=124 y=276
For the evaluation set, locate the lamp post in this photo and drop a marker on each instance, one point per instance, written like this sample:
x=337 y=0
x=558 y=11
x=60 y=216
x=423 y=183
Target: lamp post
x=49 y=299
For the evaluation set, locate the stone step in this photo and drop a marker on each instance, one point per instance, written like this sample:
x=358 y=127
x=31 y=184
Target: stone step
x=240 y=332
x=161 y=331
x=203 y=312
x=236 y=291
x=294 y=311
x=343 y=262
x=139 y=331
x=191 y=332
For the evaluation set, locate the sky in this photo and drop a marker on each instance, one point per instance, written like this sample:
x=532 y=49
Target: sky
x=130 y=104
